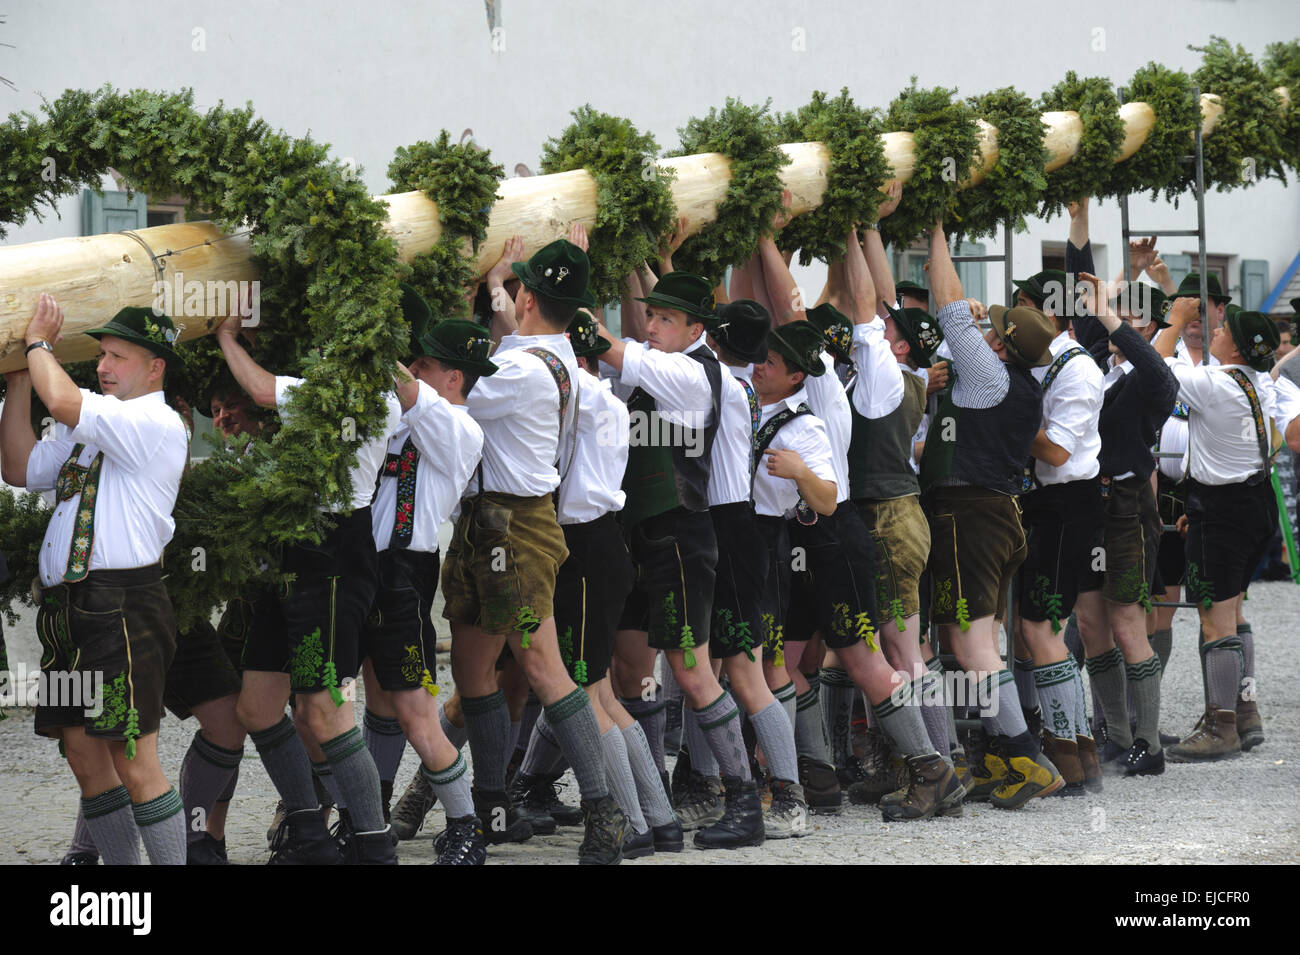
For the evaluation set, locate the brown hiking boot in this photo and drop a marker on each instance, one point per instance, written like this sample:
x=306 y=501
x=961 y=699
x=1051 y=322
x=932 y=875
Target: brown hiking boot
x=932 y=790
x=1091 y=763
x=892 y=778
x=1064 y=754
x=821 y=785
x=1215 y=737
x=1250 y=728
x=875 y=753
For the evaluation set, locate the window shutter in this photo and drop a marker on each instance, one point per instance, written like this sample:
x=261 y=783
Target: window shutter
x=1179 y=266
x=972 y=273
x=1254 y=283
x=112 y=212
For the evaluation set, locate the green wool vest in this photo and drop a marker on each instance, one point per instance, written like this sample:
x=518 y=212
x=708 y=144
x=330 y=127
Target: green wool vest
x=880 y=450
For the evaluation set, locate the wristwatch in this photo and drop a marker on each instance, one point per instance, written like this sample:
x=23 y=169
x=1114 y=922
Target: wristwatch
x=42 y=343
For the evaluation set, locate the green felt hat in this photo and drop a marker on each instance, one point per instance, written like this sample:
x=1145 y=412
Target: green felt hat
x=911 y=288
x=800 y=344
x=1027 y=333
x=461 y=344
x=1039 y=286
x=559 y=271
x=835 y=328
x=1295 y=304
x=684 y=292
x=141 y=326
x=1190 y=287
x=1232 y=308
x=417 y=313
x=1144 y=300
x=920 y=330
x=585 y=337
x=1256 y=337
x=741 y=328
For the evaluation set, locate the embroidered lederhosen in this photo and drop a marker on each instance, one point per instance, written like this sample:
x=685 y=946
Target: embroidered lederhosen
x=1029 y=480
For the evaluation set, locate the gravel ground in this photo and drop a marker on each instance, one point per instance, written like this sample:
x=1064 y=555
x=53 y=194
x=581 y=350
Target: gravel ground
x=1239 y=811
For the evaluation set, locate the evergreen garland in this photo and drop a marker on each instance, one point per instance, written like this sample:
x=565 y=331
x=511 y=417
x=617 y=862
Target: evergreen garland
x=1158 y=164
x=319 y=241
x=23 y=518
x=1282 y=68
x=462 y=180
x=858 y=169
x=634 y=201
x=1091 y=169
x=1248 y=142
x=947 y=145
x=748 y=136
x=1011 y=189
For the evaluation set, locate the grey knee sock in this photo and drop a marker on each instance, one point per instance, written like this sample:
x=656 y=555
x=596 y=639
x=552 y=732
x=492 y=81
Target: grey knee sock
x=776 y=737
x=325 y=775
x=574 y=723
x=1073 y=641
x=649 y=784
x=809 y=729
x=386 y=742
x=786 y=697
x=900 y=718
x=652 y=716
x=488 y=723
x=1106 y=671
x=837 y=690
x=928 y=691
x=702 y=760
x=674 y=706
x=228 y=793
x=1007 y=720
x=721 y=729
x=1080 y=717
x=161 y=822
x=1223 y=666
x=543 y=757
x=935 y=666
x=1055 y=685
x=82 y=840
x=1025 y=686
x=286 y=762
x=451 y=785
x=532 y=709
x=1144 y=679
x=1247 y=637
x=457 y=735
x=111 y=825
x=618 y=773
x=1162 y=642
x=205 y=774
x=357 y=779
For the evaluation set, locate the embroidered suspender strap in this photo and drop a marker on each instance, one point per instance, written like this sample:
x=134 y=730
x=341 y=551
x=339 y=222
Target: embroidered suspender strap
x=755 y=416
x=556 y=367
x=73 y=478
x=805 y=514
x=1261 y=429
x=1029 y=479
x=403 y=466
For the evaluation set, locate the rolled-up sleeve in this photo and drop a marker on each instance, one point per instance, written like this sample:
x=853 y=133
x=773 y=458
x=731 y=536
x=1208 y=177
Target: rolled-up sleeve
x=128 y=432
x=677 y=381
x=1070 y=408
x=880 y=379
x=47 y=459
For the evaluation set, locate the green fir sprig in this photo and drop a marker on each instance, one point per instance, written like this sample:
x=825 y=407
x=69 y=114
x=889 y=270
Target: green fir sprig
x=1012 y=188
x=1089 y=171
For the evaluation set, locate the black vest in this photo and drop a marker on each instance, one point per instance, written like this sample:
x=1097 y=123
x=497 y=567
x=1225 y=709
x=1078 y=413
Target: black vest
x=880 y=451
x=985 y=447
x=661 y=477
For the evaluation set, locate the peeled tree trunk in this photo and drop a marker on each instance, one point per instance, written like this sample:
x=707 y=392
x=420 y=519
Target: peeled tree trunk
x=92 y=277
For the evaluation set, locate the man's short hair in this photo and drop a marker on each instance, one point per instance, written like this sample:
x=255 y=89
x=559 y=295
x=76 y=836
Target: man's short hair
x=1284 y=327
x=556 y=314
x=468 y=378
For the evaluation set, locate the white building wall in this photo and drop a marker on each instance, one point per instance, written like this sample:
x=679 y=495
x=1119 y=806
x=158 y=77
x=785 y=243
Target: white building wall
x=370 y=77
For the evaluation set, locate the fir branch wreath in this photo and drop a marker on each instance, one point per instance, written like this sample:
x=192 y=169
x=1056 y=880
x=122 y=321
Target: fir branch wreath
x=634 y=199
x=947 y=145
x=1248 y=142
x=1011 y=189
x=1092 y=167
x=462 y=180
x=1282 y=68
x=750 y=139
x=1158 y=165
x=858 y=169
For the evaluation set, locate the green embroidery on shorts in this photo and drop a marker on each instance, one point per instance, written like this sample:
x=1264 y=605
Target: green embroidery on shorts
x=943 y=596
x=132 y=731
x=841 y=621
x=566 y=647
x=1201 y=589
x=526 y=621
x=1042 y=597
x=412 y=663
x=774 y=639
x=963 y=614
x=865 y=631
x=896 y=611
x=744 y=639
x=670 y=610
x=305 y=660
x=114 y=704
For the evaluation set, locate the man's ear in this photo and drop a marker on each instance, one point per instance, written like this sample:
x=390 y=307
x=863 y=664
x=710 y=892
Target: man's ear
x=157 y=369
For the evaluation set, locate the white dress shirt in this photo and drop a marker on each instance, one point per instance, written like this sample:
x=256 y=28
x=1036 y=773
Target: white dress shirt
x=145 y=445
x=1223 y=448
x=450 y=443
x=880 y=378
x=594 y=484
x=1286 y=403
x=519 y=411
x=678 y=383
x=1173 y=434
x=806 y=436
x=729 y=463
x=370 y=454
x=830 y=403
x=1072 y=414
